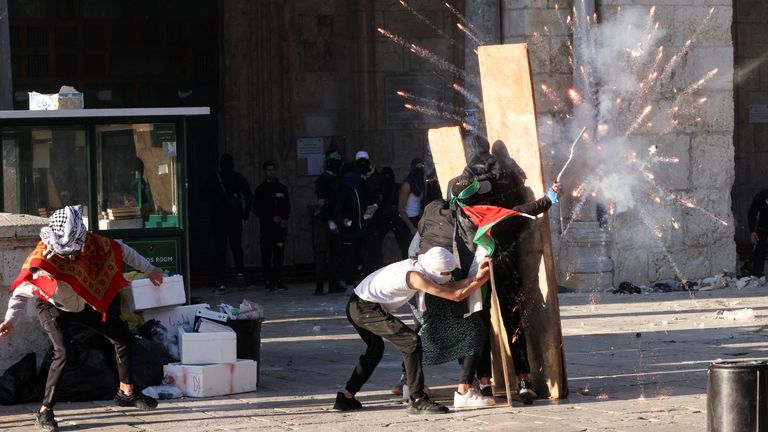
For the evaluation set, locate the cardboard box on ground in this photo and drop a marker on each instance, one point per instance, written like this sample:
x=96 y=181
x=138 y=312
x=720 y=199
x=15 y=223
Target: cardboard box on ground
x=204 y=340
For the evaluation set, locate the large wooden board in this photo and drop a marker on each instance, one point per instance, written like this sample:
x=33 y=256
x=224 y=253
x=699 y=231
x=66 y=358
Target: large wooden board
x=447 y=150
x=510 y=116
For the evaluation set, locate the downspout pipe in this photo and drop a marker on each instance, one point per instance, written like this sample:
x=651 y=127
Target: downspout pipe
x=6 y=83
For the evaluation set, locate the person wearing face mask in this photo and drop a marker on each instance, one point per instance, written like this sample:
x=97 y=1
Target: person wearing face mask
x=375 y=226
x=74 y=276
x=410 y=204
x=370 y=308
x=445 y=224
x=325 y=230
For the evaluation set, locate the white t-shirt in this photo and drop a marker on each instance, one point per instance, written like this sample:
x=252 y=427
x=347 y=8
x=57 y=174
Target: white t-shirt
x=387 y=286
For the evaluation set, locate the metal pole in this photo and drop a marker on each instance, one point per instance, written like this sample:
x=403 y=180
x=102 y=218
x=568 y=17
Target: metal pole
x=6 y=84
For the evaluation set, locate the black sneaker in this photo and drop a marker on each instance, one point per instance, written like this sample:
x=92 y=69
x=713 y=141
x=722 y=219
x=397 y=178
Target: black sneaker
x=45 y=421
x=425 y=405
x=344 y=403
x=136 y=400
x=486 y=391
x=525 y=391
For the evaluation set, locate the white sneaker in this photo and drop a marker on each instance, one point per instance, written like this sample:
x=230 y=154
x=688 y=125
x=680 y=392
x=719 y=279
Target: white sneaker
x=472 y=398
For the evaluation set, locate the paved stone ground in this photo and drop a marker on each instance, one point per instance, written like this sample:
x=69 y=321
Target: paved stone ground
x=635 y=363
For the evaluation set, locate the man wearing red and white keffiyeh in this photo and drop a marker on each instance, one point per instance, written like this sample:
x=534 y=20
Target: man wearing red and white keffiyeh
x=67 y=272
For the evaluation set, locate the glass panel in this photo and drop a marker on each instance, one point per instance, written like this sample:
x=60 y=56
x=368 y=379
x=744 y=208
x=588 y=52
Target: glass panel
x=44 y=169
x=136 y=176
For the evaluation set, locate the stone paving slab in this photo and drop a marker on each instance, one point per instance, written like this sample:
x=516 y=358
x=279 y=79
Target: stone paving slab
x=634 y=362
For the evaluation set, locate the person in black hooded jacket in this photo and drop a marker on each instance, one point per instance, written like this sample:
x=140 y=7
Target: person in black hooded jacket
x=230 y=197
x=273 y=207
x=349 y=216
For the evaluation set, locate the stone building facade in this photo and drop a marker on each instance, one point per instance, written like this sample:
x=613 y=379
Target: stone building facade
x=320 y=68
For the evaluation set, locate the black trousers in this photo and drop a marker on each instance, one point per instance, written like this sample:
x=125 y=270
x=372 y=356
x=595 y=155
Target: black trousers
x=272 y=242
x=228 y=232
x=374 y=324
x=325 y=245
x=350 y=247
x=513 y=323
x=761 y=248
x=54 y=320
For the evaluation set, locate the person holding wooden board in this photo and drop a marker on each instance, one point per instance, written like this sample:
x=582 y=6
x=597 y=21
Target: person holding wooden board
x=369 y=310
x=454 y=224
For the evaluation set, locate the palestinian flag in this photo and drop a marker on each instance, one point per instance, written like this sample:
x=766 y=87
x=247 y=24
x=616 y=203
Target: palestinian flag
x=486 y=217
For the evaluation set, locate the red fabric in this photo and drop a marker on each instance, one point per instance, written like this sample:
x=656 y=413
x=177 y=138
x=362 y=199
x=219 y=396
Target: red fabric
x=482 y=215
x=96 y=275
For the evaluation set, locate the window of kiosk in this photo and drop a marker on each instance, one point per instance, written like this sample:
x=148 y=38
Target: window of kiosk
x=136 y=176
x=44 y=169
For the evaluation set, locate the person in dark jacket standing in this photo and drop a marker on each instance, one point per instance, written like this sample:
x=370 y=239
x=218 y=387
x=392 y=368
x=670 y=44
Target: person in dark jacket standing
x=231 y=199
x=273 y=207
x=757 y=217
x=325 y=231
x=375 y=224
x=350 y=218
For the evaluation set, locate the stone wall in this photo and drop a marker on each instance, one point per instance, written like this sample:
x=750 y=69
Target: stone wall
x=318 y=68
x=704 y=144
x=750 y=24
x=18 y=236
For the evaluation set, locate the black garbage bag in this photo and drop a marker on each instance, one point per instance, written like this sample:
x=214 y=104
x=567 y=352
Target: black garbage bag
x=148 y=360
x=90 y=372
x=19 y=383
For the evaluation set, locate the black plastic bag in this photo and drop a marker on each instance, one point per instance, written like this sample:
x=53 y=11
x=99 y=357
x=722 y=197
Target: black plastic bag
x=90 y=372
x=149 y=357
x=19 y=383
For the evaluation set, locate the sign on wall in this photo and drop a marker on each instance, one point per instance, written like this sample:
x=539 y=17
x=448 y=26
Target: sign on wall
x=310 y=156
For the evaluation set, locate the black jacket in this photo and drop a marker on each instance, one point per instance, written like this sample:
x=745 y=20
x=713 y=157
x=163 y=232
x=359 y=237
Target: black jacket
x=271 y=199
x=327 y=188
x=757 y=216
x=230 y=196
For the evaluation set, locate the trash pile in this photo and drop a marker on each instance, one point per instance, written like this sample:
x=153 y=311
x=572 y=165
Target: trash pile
x=720 y=281
x=179 y=350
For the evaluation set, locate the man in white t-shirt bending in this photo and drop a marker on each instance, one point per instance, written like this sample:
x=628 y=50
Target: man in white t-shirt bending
x=382 y=292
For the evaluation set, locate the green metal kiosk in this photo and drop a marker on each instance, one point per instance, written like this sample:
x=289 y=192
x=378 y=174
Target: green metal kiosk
x=127 y=167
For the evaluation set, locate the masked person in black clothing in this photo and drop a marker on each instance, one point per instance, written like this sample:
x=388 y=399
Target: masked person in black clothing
x=231 y=198
x=375 y=224
x=350 y=218
x=757 y=217
x=272 y=206
x=325 y=231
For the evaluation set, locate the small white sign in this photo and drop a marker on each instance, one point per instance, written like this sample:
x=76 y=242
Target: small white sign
x=311 y=149
x=758 y=113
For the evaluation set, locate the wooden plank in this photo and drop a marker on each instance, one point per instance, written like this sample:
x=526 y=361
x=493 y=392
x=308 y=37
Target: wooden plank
x=501 y=354
x=447 y=150
x=510 y=115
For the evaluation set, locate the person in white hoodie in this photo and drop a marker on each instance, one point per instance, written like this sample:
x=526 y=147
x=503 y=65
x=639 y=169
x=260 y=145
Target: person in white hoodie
x=369 y=310
x=75 y=275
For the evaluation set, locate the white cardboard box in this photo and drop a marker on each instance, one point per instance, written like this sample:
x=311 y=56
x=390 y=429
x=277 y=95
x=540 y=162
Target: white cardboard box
x=213 y=380
x=175 y=316
x=143 y=294
x=207 y=348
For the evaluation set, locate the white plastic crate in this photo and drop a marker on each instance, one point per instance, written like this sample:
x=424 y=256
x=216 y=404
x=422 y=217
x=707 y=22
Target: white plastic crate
x=207 y=348
x=143 y=294
x=214 y=379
